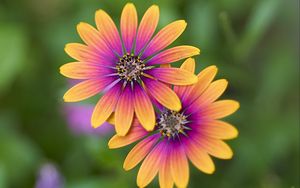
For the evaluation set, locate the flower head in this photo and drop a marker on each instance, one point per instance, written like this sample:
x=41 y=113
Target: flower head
x=125 y=67
x=195 y=133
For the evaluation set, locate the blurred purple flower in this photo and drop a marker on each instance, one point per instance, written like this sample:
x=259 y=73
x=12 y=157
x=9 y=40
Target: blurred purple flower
x=78 y=119
x=49 y=177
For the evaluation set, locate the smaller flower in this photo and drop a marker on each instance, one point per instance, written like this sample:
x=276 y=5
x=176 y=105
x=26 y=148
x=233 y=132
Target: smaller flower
x=49 y=177
x=78 y=120
x=195 y=133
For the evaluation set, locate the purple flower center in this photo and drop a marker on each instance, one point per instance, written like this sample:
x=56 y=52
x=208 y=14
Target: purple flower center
x=130 y=67
x=171 y=123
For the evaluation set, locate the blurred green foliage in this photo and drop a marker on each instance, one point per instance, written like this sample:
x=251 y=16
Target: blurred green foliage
x=255 y=44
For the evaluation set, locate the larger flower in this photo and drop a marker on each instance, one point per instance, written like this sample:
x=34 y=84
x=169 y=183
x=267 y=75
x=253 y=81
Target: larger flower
x=126 y=68
x=193 y=133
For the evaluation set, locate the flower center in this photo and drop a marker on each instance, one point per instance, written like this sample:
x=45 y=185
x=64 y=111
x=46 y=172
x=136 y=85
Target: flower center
x=130 y=67
x=171 y=123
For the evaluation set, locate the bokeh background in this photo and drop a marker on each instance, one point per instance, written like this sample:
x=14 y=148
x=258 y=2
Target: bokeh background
x=44 y=141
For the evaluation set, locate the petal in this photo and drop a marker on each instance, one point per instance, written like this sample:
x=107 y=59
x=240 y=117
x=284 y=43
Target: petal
x=215 y=147
x=109 y=31
x=165 y=37
x=165 y=177
x=218 y=129
x=139 y=152
x=204 y=79
x=80 y=70
x=220 y=109
x=179 y=166
x=93 y=38
x=147 y=27
x=105 y=106
x=86 y=89
x=136 y=133
x=173 y=54
x=129 y=22
x=150 y=166
x=174 y=76
x=82 y=53
x=212 y=93
x=144 y=109
x=188 y=65
x=124 y=112
x=199 y=157
x=163 y=94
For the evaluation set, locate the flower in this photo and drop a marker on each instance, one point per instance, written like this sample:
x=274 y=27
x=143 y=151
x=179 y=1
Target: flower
x=126 y=69
x=49 y=177
x=78 y=120
x=195 y=132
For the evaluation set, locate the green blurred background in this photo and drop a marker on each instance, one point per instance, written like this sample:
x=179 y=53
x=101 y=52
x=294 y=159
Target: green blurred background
x=254 y=43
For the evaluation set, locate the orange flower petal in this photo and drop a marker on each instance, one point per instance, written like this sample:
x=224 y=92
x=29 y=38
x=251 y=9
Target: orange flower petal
x=165 y=37
x=179 y=167
x=105 y=106
x=218 y=129
x=174 y=54
x=204 y=79
x=144 y=109
x=174 y=76
x=163 y=94
x=215 y=147
x=93 y=38
x=109 y=31
x=147 y=27
x=212 y=93
x=124 y=112
x=200 y=158
x=188 y=65
x=136 y=133
x=139 y=152
x=82 y=53
x=83 y=70
x=150 y=166
x=85 y=89
x=220 y=109
x=165 y=177
x=129 y=22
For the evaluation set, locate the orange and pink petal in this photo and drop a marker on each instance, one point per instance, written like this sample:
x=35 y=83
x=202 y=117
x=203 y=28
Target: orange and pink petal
x=174 y=76
x=163 y=94
x=199 y=157
x=143 y=108
x=86 y=89
x=179 y=165
x=136 y=133
x=124 y=112
x=128 y=24
x=147 y=27
x=105 y=106
x=205 y=77
x=139 y=152
x=174 y=54
x=165 y=37
x=93 y=39
x=109 y=31
x=151 y=165
x=80 y=70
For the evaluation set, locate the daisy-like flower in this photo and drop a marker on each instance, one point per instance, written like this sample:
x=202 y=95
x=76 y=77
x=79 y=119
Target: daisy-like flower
x=124 y=67
x=193 y=133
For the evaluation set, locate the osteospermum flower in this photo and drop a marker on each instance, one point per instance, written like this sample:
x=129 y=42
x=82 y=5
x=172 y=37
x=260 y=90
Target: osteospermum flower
x=124 y=67
x=193 y=133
